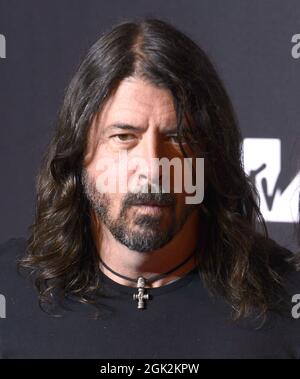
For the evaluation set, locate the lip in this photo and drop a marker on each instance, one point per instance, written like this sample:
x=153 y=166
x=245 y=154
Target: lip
x=153 y=205
x=152 y=209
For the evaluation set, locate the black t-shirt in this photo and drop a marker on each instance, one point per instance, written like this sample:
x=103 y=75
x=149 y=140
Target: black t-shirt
x=181 y=320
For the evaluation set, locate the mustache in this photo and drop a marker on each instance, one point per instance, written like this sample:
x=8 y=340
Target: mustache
x=159 y=199
x=150 y=193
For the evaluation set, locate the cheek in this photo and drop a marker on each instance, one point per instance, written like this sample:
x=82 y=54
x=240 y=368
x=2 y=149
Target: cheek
x=115 y=202
x=180 y=201
x=181 y=205
x=104 y=171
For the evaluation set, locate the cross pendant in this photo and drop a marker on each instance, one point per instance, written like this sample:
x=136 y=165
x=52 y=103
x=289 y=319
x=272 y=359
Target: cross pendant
x=141 y=296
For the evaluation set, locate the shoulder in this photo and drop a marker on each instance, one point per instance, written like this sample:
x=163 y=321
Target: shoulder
x=278 y=269
x=267 y=252
x=292 y=282
x=286 y=264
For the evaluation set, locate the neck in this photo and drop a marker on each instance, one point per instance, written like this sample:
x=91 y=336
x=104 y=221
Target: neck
x=133 y=264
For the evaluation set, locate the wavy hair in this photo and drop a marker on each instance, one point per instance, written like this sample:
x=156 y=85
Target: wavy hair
x=240 y=262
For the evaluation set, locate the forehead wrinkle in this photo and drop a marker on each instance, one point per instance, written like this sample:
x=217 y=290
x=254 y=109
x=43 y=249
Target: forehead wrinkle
x=137 y=117
x=138 y=91
x=127 y=99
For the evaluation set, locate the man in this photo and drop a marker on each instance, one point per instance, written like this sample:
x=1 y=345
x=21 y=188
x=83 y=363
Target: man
x=147 y=273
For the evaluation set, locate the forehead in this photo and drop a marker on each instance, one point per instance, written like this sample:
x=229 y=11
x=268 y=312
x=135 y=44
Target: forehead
x=136 y=101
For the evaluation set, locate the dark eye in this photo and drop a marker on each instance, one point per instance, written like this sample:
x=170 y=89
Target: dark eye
x=123 y=137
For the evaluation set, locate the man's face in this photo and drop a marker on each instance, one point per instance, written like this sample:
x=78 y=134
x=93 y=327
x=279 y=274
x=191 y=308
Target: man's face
x=139 y=120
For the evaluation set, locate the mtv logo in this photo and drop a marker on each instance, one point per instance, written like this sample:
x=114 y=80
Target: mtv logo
x=262 y=162
x=2 y=306
x=2 y=46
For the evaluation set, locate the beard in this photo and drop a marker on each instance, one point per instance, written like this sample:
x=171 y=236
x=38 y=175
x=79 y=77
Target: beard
x=140 y=232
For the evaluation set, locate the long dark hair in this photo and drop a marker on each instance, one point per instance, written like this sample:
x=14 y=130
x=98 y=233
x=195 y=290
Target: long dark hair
x=239 y=262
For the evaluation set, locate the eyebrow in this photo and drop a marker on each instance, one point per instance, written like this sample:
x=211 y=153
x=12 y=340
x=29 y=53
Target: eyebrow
x=124 y=126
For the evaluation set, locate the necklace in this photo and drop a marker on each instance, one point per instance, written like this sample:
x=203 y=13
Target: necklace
x=141 y=296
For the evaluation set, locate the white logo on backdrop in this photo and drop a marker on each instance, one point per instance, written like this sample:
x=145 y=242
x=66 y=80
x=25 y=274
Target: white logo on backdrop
x=262 y=162
x=2 y=46
x=296 y=48
x=296 y=307
x=2 y=306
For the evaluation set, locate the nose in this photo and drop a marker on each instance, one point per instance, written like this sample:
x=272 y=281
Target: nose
x=150 y=151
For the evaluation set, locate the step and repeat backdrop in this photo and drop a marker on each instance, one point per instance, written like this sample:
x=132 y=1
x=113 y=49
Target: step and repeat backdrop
x=254 y=44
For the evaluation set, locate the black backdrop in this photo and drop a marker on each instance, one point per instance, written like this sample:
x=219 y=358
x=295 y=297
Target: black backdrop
x=255 y=45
